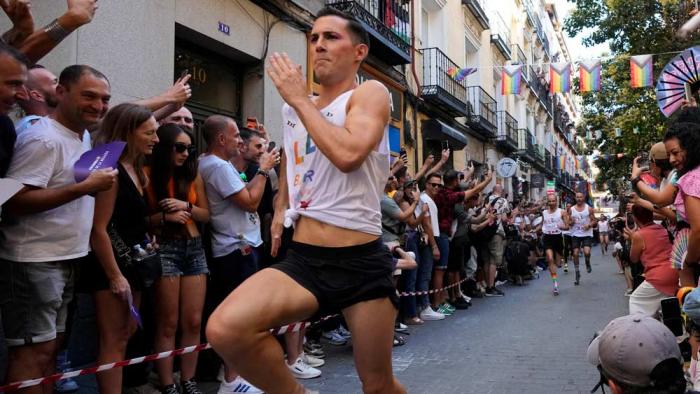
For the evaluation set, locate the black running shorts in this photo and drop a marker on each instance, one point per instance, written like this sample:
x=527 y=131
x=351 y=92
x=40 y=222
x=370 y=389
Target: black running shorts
x=341 y=277
x=554 y=242
x=581 y=242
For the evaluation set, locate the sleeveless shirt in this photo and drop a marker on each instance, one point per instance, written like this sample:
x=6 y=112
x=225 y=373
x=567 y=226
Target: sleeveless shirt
x=580 y=220
x=552 y=222
x=319 y=190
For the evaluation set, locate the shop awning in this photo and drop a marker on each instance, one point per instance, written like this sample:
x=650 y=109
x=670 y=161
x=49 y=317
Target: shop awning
x=436 y=130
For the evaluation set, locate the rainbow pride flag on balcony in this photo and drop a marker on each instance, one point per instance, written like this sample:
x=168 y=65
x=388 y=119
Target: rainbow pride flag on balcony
x=510 y=79
x=589 y=76
x=560 y=77
x=642 y=71
x=458 y=74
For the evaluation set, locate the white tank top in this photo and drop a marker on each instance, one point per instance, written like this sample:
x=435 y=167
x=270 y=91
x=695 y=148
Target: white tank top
x=580 y=220
x=319 y=190
x=603 y=226
x=552 y=222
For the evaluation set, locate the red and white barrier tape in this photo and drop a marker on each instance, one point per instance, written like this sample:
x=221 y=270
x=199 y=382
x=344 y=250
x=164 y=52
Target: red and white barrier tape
x=289 y=328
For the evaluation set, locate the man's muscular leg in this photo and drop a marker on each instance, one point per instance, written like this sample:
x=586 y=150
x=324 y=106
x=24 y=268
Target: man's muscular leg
x=372 y=326
x=238 y=330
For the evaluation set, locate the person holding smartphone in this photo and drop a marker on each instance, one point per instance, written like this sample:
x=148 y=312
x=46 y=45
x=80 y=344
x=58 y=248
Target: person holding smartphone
x=651 y=247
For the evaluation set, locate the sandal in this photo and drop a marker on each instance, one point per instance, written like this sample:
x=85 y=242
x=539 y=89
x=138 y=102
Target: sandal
x=399 y=340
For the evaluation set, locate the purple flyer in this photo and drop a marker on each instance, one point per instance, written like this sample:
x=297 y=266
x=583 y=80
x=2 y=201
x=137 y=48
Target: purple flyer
x=101 y=157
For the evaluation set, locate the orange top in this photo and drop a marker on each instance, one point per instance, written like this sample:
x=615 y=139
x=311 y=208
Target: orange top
x=153 y=201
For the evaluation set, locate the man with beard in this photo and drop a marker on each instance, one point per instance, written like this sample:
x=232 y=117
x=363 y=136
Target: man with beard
x=40 y=97
x=554 y=221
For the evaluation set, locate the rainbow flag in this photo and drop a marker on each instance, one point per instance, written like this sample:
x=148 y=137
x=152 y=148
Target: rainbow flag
x=589 y=76
x=562 y=162
x=559 y=77
x=510 y=79
x=458 y=74
x=642 y=71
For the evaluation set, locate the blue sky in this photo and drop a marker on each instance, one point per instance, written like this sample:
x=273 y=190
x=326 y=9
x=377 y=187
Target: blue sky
x=576 y=48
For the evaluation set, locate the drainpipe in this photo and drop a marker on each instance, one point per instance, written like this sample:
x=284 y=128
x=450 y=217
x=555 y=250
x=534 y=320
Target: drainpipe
x=417 y=81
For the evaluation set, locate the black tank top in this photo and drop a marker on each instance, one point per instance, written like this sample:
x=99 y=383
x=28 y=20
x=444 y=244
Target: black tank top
x=129 y=210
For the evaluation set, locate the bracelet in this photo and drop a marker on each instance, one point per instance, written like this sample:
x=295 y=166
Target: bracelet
x=55 y=31
x=263 y=173
x=635 y=181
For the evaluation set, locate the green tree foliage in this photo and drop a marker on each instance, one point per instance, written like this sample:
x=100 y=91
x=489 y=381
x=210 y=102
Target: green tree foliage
x=630 y=27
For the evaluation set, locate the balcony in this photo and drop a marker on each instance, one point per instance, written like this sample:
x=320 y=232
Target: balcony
x=500 y=35
x=483 y=114
x=548 y=165
x=520 y=58
x=539 y=157
x=530 y=12
x=388 y=24
x=561 y=119
x=438 y=87
x=477 y=9
x=526 y=147
x=507 y=138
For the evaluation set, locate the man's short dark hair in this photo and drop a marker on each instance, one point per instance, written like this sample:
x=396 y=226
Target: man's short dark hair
x=8 y=50
x=247 y=134
x=686 y=115
x=72 y=74
x=450 y=176
x=643 y=215
x=213 y=126
x=433 y=175
x=357 y=31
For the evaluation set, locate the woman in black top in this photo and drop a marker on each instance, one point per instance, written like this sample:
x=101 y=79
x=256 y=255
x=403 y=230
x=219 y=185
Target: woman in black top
x=124 y=209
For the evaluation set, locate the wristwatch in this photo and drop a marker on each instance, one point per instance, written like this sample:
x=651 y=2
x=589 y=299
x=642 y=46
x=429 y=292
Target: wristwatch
x=263 y=173
x=635 y=181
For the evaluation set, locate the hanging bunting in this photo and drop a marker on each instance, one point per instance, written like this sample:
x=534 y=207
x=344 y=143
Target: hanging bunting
x=510 y=79
x=560 y=77
x=458 y=74
x=642 y=71
x=589 y=76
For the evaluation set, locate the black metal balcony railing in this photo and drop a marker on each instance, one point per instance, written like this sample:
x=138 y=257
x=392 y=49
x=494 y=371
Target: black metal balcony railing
x=388 y=23
x=520 y=58
x=507 y=138
x=439 y=87
x=539 y=155
x=477 y=9
x=548 y=162
x=526 y=145
x=530 y=12
x=500 y=35
x=483 y=115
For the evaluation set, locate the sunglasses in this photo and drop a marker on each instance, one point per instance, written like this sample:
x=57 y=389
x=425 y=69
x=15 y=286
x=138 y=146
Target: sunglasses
x=438 y=185
x=181 y=147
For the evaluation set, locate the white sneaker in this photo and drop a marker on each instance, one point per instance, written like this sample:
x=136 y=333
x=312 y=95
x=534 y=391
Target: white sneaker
x=334 y=338
x=429 y=314
x=312 y=361
x=238 y=385
x=344 y=332
x=301 y=370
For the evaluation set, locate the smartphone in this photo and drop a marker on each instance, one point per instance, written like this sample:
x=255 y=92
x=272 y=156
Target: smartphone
x=252 y=123
x=271 y=146
x=671 y=315
x=643 y=161
x=688 y=92
x=403 y=155
x=445 y=144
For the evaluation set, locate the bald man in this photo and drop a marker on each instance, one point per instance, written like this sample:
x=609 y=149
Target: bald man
x=40 y=98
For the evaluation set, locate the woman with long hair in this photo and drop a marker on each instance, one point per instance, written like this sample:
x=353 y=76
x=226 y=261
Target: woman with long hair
x=682 y=141
x=177 y=202
x=122 y=209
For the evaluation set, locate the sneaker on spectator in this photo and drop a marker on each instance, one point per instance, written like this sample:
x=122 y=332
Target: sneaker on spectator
x=344 y=332
x=314 y=351
x=238 y=385
x=429 y=314
x=190 y=387
x=63 y=365
x=170 y=389
x=566 y=268
x=302 y=370
x=400 y=327
x=501 y=282
x=461 y=304
x=494 y=292
x=334 y=338
x=312 y=361
x=448 y=306
x=467 y=299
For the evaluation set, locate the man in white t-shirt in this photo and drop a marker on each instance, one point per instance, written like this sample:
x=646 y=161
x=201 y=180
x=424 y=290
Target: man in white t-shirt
x=40 y=99
x=582 y=220
x=428 y=251
x=47 y=226
x=235 y=225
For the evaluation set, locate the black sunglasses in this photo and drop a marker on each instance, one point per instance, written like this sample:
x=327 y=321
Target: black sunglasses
x=435 y=185
x=181 y=147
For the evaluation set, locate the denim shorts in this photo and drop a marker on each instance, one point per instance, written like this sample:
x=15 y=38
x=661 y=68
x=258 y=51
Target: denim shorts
x=183 y=257
x=34 y=299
